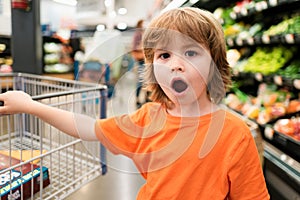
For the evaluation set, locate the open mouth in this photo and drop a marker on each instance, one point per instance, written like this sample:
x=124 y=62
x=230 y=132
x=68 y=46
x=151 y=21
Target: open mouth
x=179 y=86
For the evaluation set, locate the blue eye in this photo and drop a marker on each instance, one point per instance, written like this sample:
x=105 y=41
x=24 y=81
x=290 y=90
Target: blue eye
x=190 y=53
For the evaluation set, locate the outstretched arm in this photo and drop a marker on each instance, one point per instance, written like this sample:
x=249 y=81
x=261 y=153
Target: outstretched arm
x=76 y=125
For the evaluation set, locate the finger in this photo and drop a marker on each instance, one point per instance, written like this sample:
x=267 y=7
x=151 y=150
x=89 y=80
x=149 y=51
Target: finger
x=2 y=108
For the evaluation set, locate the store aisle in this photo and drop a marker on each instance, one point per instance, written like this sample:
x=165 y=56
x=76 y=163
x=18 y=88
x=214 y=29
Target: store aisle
x=122 y=181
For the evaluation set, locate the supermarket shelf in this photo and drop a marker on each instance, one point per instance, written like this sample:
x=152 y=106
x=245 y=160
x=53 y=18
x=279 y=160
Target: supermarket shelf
x=269 y=5
x=69 y=76
x=287 y=39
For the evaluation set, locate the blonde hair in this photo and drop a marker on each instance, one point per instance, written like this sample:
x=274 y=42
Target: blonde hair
x=201 y=26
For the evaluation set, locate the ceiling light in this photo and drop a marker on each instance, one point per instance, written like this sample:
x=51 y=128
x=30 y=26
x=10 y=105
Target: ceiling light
x=100 y=27
x=108 y=3
x=122 y=26
x=122 y=11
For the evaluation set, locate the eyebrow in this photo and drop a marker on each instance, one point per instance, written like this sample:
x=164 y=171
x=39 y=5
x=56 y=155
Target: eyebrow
x=188 y=44
x=194 y=44
x=160 y=49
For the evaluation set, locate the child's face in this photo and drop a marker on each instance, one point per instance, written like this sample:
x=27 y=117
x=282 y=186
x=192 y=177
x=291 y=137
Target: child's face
x=181 y=68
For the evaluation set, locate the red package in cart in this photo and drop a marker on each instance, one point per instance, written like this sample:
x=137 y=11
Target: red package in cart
x=22 y=180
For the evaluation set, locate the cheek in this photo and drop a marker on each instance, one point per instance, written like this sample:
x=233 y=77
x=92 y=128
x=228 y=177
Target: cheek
x=202 y=75
x=199 y=75
x=161 y=74
x=163 y=78
x=203 y=68
x=201 y=71
x=198 y=83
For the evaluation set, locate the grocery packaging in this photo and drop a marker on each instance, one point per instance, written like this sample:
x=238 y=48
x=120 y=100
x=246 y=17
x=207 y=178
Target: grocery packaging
x=22 y=181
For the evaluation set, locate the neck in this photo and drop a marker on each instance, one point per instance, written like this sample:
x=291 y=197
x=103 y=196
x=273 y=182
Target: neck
x=195 y=109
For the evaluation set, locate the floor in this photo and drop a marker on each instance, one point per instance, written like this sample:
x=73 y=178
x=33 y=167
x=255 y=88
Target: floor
x=122 y=180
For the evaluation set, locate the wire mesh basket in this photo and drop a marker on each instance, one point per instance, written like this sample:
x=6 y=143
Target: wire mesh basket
x=37 y=161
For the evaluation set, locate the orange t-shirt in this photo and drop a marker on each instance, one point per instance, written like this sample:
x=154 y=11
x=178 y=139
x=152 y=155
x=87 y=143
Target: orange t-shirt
x=209 y=157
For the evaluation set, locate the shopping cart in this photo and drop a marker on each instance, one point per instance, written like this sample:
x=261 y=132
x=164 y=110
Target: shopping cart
x=37 y=161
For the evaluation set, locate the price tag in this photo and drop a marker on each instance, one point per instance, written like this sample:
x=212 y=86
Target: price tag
x=296 y=83
x=258 y=7
x=250 y=40
x=266 y=39
x=264 y=5
x=283 y=157
x=230 y=41
x=273 y=2
x=289 y=38
x=290 y=162
x=222 y=21
x=269 y=132
x=239 y=41
x=277 y=80
x=233 y=15
x=244 y=11
x=259 y=77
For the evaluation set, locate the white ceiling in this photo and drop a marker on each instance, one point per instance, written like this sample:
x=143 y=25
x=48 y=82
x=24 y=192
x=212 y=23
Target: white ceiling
x=94 y=12
x=136 y=9
x=55 y=14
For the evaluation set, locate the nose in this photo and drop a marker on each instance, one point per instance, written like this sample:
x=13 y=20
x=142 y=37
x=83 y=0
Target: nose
x=177 y=69
x=177 y=64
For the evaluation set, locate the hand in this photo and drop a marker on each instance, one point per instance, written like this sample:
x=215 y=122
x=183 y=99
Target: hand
x=15 y=102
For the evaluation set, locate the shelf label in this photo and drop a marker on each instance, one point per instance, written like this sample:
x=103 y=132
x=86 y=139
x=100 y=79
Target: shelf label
x=266 y=39
x=273 y=2
x=283 y=157
x=269 y=132
x=289 y=38
x=296 y=83
x=278 y=80
x=239 y=41
x=259 y=77
x=258 y=7
x=250 y=40
x=264 y=5
x=230 y=41
x=233 y=15
x=290 y=162
x=244 y=11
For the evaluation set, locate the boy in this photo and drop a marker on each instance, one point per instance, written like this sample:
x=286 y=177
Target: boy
x=183 y=143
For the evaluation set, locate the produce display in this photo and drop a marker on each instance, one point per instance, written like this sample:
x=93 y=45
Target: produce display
x=6 y=60
x=285 y=31
x=292 y=71
x=268 y=60
x=233 y=29
x=269 y=104
x=287 y=26
x=57 y=58
x=242 y=31
x=289 y=127
x=263 y=40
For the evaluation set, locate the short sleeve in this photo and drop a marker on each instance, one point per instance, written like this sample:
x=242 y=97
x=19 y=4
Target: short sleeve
x=245 y=172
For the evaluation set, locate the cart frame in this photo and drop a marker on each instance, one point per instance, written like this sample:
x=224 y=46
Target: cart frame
x=67 y=162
